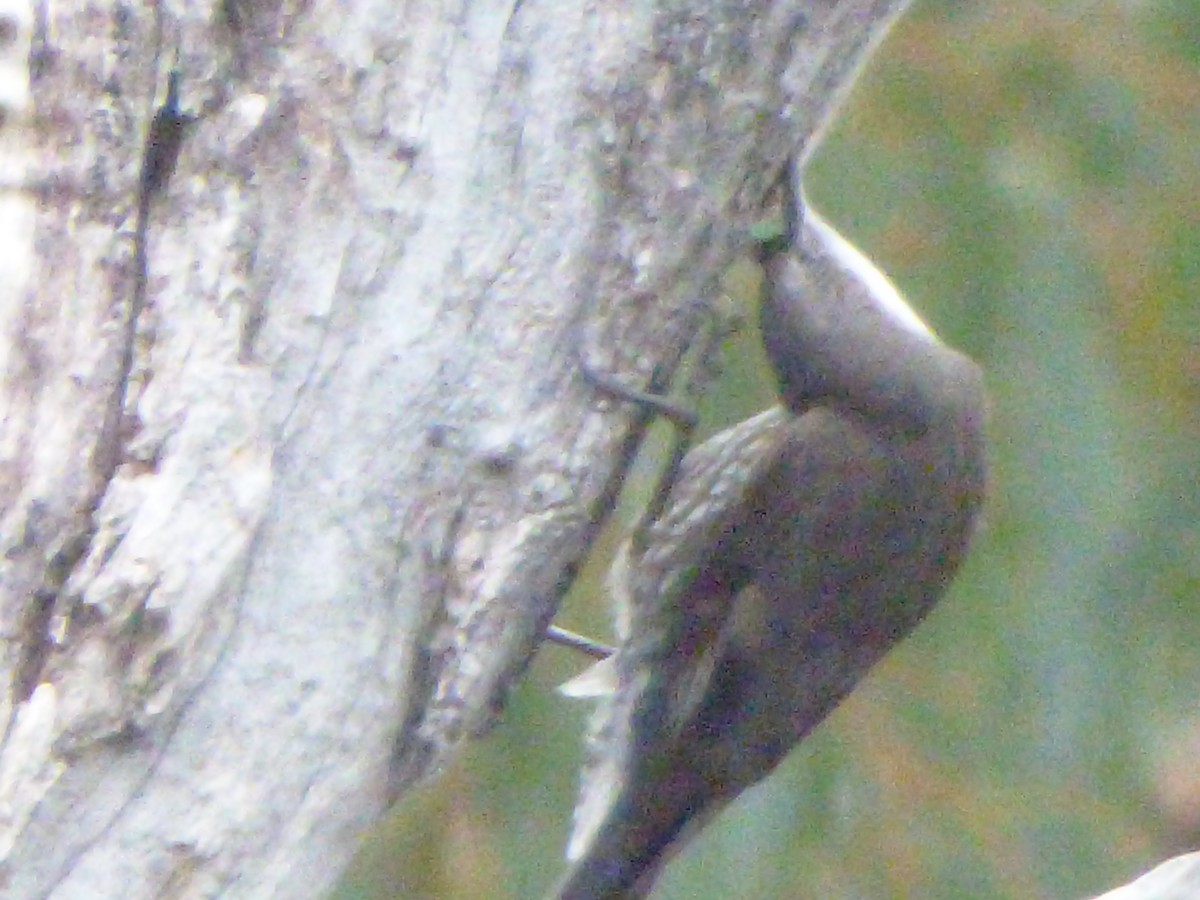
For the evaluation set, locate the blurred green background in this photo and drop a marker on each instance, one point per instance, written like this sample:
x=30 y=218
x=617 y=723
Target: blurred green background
x=1029 y=174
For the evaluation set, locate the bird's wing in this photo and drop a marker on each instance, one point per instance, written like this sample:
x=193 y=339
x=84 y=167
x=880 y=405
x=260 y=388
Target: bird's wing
x=668 y=633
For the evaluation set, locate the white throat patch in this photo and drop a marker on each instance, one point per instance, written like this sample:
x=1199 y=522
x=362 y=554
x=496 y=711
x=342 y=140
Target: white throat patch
x=880 y=288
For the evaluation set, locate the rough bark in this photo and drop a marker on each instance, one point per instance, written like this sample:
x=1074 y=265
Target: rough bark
x=295 y=459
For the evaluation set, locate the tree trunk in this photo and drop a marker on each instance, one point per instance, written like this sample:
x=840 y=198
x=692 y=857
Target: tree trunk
x=296 y=460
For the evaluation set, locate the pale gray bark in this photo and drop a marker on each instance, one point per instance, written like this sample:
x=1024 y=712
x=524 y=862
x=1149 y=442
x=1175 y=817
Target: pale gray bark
x=274 y=543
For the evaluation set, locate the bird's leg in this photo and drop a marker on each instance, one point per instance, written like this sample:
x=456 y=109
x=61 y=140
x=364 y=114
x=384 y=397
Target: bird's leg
x=716 y=328
x=769 y=236
x=575 y=641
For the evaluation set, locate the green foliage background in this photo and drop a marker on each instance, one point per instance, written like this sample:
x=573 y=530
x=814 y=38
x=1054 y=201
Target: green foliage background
x=1028 y=173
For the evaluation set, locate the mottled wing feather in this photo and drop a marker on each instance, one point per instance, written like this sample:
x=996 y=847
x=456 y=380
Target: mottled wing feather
x=664 y=657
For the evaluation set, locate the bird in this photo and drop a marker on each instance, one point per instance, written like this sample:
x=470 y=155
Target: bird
x=793 y=551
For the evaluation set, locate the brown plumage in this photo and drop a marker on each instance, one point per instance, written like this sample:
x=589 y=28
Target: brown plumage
x=796 y=548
